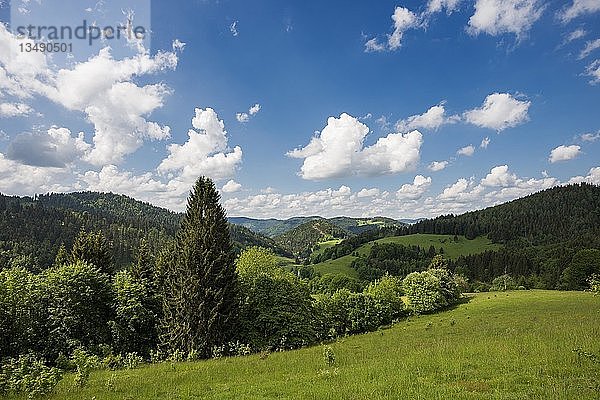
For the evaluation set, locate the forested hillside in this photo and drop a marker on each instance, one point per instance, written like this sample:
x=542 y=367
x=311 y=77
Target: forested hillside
x=560 y=214
x=301 y=240
x=33 y=229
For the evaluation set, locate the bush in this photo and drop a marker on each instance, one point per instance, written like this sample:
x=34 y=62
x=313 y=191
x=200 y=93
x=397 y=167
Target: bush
x=346 y=313
x=430 y=290
x=503 y=282
x=388 y=293
x=29 y=375
x=79 y=307
x=594 y=282
x=331 y=283
x=134 y=328
x=22 y=313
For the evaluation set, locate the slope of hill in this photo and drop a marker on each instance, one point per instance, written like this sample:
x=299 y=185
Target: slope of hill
x=515 y=345
x=32 y=229
x=560 y=214
x=301 y=240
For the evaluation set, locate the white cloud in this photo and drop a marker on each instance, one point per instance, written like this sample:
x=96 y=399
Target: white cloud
x=578 y=8
x=576 y=34
x=461 y=191
x=178 y=45
x=205 y=152
x=368 y=192
x=430 y=119
x=564 y=153
x=244 y=117
x=404 y=19
x=254 y=109
x=372 y=45
x=485 y=142
x=590 y=137
x=415 y=190
x=590 y=46
x=499 y=176
x=54 y=148
x=14 y=109
x=593 y=177
x=593 y=70
x=231 y=186
x=499 y=111
x=339 y=151
x=434 y=6
x=233 y=28
x=16 y=178
x=496 y=17
x=466 y=151
x=437 y=165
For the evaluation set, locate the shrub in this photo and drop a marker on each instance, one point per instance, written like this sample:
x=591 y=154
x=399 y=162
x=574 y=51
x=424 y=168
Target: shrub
x=388 y=293
x=423 y=292
x=328 y=356
x=29 y=375
x=79 y=307
x=330 y=283
x=84 y=364
x=503 y=282
x=594 y=282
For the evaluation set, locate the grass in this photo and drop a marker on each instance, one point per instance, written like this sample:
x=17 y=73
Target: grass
x=325 y=245
x=515 y=345
x=452 y=250
x=342 y=265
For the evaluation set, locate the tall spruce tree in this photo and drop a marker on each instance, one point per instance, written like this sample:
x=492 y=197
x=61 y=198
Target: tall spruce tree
x=200 y=281
x=93 y=248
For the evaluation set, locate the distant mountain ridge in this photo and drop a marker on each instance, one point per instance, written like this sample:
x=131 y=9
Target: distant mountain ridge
x=274 y=227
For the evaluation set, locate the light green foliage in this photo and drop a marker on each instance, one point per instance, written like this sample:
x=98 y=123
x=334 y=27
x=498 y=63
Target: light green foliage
x=594 y=282
x=79 y=307
x=503 y=282
x=28 y=375
x=84 y=363
x=328 y=356
x=256 y=260
x=94 y=249
x=388 y=292
x=22 y=312
x=330 y=283
x=423 y=292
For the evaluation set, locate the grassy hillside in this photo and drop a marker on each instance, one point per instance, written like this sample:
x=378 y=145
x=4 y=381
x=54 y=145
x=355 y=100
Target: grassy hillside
x=513 y=345
x=302 y=239
x=452 y=249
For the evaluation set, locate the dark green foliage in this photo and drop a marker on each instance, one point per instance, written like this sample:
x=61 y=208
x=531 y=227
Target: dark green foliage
x=137 y=309
x=199 y=278
x=62 y=257
x=22 y=313
x=331 y=283
x=79 y=299
x=391 y=258
x=94 y=249
x=275 y=312
x=243 y=238
x=584 y=264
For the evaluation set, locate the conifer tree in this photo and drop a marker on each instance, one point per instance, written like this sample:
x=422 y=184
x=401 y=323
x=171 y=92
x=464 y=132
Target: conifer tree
x=93 y=248
x=200 y=281
x=62 y=257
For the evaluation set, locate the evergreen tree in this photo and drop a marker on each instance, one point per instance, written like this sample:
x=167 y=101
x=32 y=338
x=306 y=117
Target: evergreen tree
x=144 y=268
x=93 y=248
x=62 y=257
x=200 y=281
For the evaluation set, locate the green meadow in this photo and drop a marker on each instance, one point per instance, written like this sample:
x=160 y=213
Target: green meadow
x=504 y=345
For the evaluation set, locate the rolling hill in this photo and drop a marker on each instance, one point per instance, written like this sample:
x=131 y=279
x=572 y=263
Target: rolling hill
x=301 y=240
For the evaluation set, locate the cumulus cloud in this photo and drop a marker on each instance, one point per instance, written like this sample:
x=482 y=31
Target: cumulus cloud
x=54 y=148
x=577 y=9
x=437 y=165
x=404 y=19
x=368 y=192
x=466 y=151
x=499 y=111
x=101 y=87
x=14 y=109
x=590 y=137
x=593 y=177
x=499 y=176
x=433 y=118
x=415 y=190
x=564 y=153
x=338 y=150
x=17 y=178
x=231 y=186
x=496 y=17
x=244 y=117
x=205 y=152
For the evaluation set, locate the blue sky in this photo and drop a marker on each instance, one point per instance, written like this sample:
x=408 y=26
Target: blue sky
x=404 y=109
